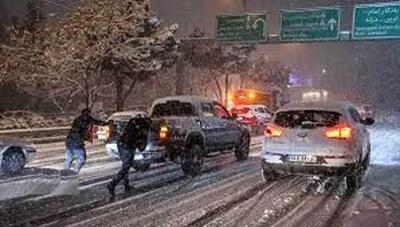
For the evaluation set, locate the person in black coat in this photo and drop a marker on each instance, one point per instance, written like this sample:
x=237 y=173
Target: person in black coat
x=75 y=142
x=133 y=137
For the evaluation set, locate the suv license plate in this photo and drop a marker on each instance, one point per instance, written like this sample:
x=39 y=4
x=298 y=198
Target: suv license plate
x=302 y=158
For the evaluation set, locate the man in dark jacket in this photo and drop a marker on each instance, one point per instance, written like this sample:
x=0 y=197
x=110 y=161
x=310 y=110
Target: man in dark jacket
x=75 y=142
x=134 y=136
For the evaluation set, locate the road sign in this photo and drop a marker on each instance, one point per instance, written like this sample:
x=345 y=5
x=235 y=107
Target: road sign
x=376 y=21
x=310 y=24
x=242 y=28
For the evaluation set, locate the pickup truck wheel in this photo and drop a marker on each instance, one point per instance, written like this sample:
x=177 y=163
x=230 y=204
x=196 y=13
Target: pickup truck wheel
x=13 y=160
x=192 y=160
x=243 y=148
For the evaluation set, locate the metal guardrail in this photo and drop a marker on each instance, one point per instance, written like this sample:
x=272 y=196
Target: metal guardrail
x=38 y=135
x=33 y=130
x=50 y=139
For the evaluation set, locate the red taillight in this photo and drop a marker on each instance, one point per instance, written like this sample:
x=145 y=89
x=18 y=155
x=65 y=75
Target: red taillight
x=339 y=132
x=272 y=130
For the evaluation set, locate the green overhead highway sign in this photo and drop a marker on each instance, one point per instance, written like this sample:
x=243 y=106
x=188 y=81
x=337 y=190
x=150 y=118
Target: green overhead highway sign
x=310 y=24
x=376 y=21
x=242 y=28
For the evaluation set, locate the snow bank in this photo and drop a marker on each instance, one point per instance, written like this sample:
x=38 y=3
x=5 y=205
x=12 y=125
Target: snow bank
x=385 y=144
x=38 y=182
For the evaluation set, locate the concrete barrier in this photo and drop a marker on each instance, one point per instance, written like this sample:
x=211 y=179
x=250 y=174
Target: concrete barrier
x=38 y=182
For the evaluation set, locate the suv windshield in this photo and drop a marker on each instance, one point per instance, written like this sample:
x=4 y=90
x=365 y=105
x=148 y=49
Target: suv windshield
x=307 y=119
x=173 y=108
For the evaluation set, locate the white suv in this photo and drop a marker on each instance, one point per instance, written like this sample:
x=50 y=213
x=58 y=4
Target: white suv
x=260 y=112
x=319 y=138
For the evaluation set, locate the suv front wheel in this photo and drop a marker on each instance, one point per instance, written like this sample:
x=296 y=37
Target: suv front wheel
x=269 y=176
x=353 y=178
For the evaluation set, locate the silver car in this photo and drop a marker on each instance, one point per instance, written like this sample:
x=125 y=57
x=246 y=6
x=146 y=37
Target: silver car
x=14 y=154
x=318 y=138
x=143 y=159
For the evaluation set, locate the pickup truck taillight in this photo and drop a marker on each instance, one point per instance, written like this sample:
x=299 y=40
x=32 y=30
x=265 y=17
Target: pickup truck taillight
x=163 y=132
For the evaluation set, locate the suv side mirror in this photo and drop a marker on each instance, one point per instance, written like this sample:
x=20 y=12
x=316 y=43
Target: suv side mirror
x=369 y=121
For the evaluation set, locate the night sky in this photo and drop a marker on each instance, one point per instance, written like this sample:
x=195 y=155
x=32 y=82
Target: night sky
x=362 y=71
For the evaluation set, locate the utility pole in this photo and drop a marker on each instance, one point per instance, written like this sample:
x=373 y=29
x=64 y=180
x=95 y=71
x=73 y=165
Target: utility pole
x=226 y=89
x=241 y=6
x=244 y=5
x=244 y=10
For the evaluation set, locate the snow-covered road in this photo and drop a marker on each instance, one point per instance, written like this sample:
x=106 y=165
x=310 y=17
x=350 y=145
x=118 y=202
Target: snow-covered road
x=228 y=193
x=377 y=203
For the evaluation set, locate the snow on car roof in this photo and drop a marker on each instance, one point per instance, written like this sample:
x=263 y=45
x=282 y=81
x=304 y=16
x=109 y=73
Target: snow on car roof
x=127 y=113
x=183 y=98
x=324 y=105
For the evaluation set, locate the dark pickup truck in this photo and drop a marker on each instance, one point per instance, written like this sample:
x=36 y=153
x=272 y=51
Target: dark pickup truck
x=187 y=128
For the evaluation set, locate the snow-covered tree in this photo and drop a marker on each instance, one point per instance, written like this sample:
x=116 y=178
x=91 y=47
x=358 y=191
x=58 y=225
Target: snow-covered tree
x=216 y=59
x=102 y=48
x=22 y=52
x=271 y=75
x=110 y=43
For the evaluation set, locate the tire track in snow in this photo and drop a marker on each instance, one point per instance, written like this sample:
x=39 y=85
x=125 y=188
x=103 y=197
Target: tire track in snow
x=148 y=184
x=261 y=208
x=159 y=196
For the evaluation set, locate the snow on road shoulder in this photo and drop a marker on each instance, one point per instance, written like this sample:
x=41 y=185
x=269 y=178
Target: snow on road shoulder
x=385 y=144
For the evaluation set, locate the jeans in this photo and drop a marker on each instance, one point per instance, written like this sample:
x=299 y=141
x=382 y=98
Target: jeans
x=126 y=157
x=72 y=152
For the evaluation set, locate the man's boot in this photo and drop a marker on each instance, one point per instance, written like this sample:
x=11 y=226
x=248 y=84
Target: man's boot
x=127 y=187
x=111 y=189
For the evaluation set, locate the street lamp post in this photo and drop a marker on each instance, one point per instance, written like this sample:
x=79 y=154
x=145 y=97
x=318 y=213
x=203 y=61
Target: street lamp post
x=226 y=89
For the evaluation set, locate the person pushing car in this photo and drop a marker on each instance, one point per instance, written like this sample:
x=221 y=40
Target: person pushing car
x=75 y=142
x=133 y=137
